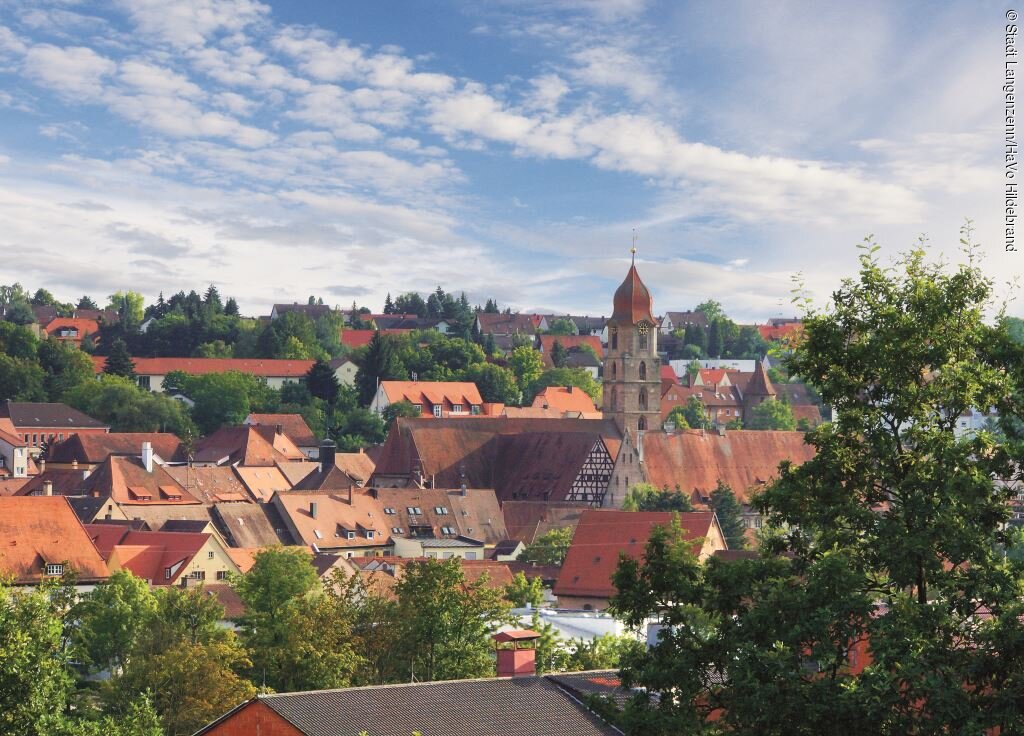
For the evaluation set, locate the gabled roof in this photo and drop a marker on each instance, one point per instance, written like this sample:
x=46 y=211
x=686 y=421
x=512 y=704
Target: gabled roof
x=211 y=484
x=565 y=398
x=743 y=459
x=250 y=525
x=359 y=338
x=40 y=530
x=65 y=482
x=149 y=555
x=83 y=326
x=126 y=480
x=326 y=479
x=294 y=369
x=263 y=482
x=667 y=374
x=295 y=470
x=456 y=451
x=520 y=706
x=684 y=318
x=292 y=425
x=604 y=534
x=541 y=466
x=506 y=324
x=476 y=514
x=759 y=384
x=357 y=465
x=334 y=514
x=547 y=342
x=246 y=445
x=432 y=392
x=527 y=520
x=92 y=449
x=32 y=414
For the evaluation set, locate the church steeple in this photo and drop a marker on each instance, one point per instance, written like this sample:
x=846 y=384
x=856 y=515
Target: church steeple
x=632 y=380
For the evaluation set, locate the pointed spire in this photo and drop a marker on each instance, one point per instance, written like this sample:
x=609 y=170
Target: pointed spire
x=760 y=384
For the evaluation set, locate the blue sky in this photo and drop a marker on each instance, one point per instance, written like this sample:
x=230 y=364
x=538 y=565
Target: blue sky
x=503 y=147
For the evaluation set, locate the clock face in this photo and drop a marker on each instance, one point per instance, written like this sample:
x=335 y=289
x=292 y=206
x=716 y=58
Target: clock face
x=642 y=328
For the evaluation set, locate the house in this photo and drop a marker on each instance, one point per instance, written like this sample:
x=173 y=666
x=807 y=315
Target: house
x=313 y=311
x=250 y=525
x=581 y=325
x=345 y=371
x=163 y=557
x=577 y=343
x=248 y=446
x=781 y=329
x=43 y=538
x=553 y=460
x=525 y=705
x=444 y=548
x=510 y=324
x=151 y=372
x=40 y=424
x=567 y=401
x=292 y=425
x=585 y=581
x=14 y=457
x=72 y=330
x=133 y=481
x=433 y=398
x=211 y=484
x=351 y=523
x=507 y=551
x=681 y=320
x=91 y=510
x=440 y=513
x=694 y=461
x=86 y=451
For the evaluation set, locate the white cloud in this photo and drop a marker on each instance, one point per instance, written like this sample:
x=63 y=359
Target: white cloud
x=547 y=91
x=75 y=71
x=190 y=23
x=617 y=68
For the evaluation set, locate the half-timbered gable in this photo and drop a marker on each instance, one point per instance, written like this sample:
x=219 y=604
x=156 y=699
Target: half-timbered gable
x=591 y=484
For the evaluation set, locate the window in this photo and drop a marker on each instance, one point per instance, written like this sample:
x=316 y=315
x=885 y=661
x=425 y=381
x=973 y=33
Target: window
x=475 y=409
x=613 y=336
x=144 y=382
x=437 y=410
x=369 y=533
x=642 y=340
x=457 y=408
x=641 y=423
x=350 y=535
x=414 y=509
x=440 y=509
x=222 y=574
x=55 y=569
x=209 y=555
x=417 y=408
x=447 y=530
x=613 y=371
x=396 y=530
x=35 y=439
x=643 y=371
x=389 y=510
x=642 y=398
x=167 y=573
x=198 y=574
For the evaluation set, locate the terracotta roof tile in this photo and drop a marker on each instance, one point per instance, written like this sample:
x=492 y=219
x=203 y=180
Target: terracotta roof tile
x=127 y=481
x=292 y=425
x=432 y=392
x=565 y=398
x=40 y=530
x=247 y=445
x=92 y=449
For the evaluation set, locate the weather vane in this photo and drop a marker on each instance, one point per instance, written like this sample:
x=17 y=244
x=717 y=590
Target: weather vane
x=633 y=249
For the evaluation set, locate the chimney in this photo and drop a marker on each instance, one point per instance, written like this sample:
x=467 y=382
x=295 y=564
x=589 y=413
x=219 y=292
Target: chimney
x=327 y=452
x=47 y=488
x=279 y=429
x=312 y=509
x=147 y=456
x=515 y=652
x=42 y=465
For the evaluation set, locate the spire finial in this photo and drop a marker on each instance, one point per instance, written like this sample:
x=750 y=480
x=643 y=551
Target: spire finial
x=633 y=249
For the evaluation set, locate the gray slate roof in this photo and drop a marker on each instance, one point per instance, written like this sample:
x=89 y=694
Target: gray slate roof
x=29 y=414
x=521 y=706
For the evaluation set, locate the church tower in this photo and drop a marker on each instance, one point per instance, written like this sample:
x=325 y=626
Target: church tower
x=632 y=371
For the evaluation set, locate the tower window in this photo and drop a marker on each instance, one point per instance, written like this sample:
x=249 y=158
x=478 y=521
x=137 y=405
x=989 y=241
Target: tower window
x=613 y=371
x=642 y=399
x=641 y=423
x=642 y=339
x=643 y=371
x=613 y=335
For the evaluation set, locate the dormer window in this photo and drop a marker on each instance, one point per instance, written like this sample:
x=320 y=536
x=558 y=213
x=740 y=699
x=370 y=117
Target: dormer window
x=440 y=510
x=389 y=510
x=55 y=570
x=350 y=535
x=369 y=533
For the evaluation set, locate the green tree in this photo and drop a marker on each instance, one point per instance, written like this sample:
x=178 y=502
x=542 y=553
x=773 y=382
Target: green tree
x=716 y=340
x=645 y=497
x=120 y=403
x=549 y=548
x=380 y=363
x=527 y=365
x=21 y=380
x=605 y=652
x=111 y=619
x=445 y=623
x=523 y=590
x=322 y=383
x=567 y=377
x=894 y=534
x=695 y=414
x=730 y=515
x=403 y=409
x=562 y=326
x=678 y=417
x=215 y=349
x=119 y=361
x=231 y=308
x=227 y=398
x=710 y=309
x=18 y=341
x=129 y=306
x=559 y=355
x=86 y=302
x=496 y=384
x=772 y=414
x=65 y=367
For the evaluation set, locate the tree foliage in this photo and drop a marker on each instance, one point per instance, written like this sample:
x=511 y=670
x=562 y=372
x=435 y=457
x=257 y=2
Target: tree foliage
x=549 y=548
x=645 y=497
x=772 y=414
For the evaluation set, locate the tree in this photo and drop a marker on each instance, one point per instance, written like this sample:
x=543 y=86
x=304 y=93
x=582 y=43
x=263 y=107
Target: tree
x=730 y=515
x=549 y=548
x=86 y=302
x=716 y=340
x=604 y=652
x=17 y=341
x=212 y=300
x=893 y=535
x=445 y=623
x=491 y=307
x=678 y=417
x=21 y=380
x=380 y=363
x=411 y=303
x=231 y=307
x=119 y=361
x=65 y=367
x=322 y=383
x=772 y=414
x=112 y=618
x=400 y=409
x=527 y=365
x=523 y=590
x=227 y=398
x=489 y=346
x=645 y=497
x=389 y=306
x=562 y=326
x=120 y=403
x=496 y=384
x=710 y=309
x=215 y=349
x=567 y=377
x=695 y=414
x=129 y=306
x=559 y=355
x=278 y=575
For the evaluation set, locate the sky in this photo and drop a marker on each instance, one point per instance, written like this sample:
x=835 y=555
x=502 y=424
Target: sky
x=505 y=148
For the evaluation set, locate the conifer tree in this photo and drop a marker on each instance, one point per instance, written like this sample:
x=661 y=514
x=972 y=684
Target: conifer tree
x=119 y=361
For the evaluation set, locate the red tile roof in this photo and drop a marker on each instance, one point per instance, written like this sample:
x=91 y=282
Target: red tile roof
x=40 y=530
x=292 y=425
x=547 y=342
x=742 y=459
x=83 y=327
x=432 y=392
x=359 y=338
x=92 y=449
x=604 y=534
x=148 y=555
x=267 y=368
x=126 y=480
x=247 y=445
x=781 y=332
x=667 y=374
x=565 y=398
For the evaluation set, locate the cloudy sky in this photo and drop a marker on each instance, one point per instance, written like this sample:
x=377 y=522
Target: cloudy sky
x=502 y=147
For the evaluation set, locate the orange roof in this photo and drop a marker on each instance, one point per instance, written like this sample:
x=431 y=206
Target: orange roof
x=39 y=530
x=247 y=445
x=83 y=326
x=126 y=481
x=334 y=517
x=432 y=392
x=667 y=374
x=243 y=557
x=715 y=376
x=604 y=534
x=263 y=482
x=359 y=338
x=632 y=302
x=92 y=449
x=292 y=425
x=568 y=342
x=201 y=366
x=565 y=398
x=742 y=459
x=149 y=555
x=780 y=332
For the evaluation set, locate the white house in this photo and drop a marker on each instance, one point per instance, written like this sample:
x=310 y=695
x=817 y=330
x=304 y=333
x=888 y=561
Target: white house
x=13 y=452
x=345 y=371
